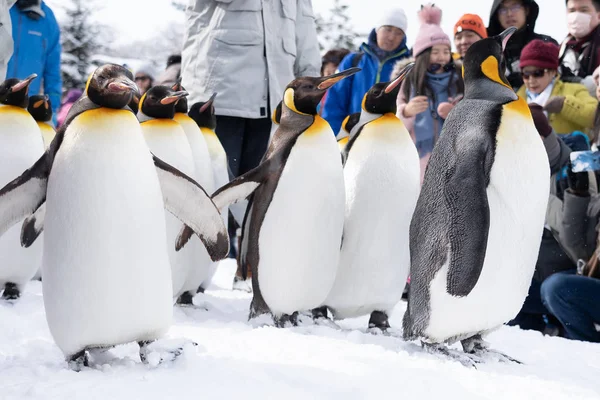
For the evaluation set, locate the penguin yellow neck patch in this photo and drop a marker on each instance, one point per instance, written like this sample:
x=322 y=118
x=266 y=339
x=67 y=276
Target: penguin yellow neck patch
x=490 y=69
x=288 y=99
x=362 y=104
x=142 y=101
x=87 y=84
x=520 y=106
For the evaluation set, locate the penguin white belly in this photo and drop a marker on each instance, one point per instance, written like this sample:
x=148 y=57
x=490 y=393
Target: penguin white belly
x=517 y=195
x=299 y=240
x=167 y=140
x=106 y=270
x=382 y=186
x=202 y=266
x=20 y=147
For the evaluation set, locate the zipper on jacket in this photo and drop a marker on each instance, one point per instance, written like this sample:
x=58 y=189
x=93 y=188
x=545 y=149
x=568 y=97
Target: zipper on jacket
x=382 y=62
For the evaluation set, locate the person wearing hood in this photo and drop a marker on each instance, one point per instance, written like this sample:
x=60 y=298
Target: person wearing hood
x=37 y=49
x=580 y=51
x=521 y=14
x=376 y=58
x=6 y=41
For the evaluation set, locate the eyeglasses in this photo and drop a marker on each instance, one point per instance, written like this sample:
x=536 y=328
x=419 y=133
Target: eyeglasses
x=513 y=9
x=538 y=73
x=141 y=78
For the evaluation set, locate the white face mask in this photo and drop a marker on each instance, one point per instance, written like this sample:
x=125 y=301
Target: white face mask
x=579 y=24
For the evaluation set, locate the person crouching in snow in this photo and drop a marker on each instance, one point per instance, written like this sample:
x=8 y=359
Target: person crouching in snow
x=433 y=87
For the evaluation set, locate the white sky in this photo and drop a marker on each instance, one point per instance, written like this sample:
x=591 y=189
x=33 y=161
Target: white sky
x=133 y=18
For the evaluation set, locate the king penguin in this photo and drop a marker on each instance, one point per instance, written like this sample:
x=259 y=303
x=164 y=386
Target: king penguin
x=292 y=230
x=381 y=176
x=167 y=139
x=41 y=110
x=20 y=146
x=474 y=240
x=347 y=125
x=203 y=268
x=106 y=275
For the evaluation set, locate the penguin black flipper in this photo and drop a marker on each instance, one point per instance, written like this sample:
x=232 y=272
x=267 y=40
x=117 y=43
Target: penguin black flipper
x=189 y=202
x=33 y=226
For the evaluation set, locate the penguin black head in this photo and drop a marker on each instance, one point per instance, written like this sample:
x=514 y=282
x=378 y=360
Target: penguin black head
x=15 y=92
x=276 y=117
x=483 y=69
x=350 y=121
x=40 y=108
x=182 y=105
x=381 y=98
x=135 y=102
x=159 y=102
x=204 y=113
x=303 y=94
x=111 y=86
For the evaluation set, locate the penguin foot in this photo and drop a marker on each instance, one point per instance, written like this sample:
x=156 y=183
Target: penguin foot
x=154 y=352
x=286 y=321
x=242 y=285
x=467 y=360
x=200 y=289
x=379 y=319
x=78 y=361
x=478 y=347
x=319 y=313
x=11 y=292
x=186 y=298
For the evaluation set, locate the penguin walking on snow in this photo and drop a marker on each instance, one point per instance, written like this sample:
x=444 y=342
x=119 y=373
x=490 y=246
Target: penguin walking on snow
x=41 y=110
x=166 y=139
x=381 y=176
x=292 y=231
x=106 y=275
x=20 y=146
x=473 y=239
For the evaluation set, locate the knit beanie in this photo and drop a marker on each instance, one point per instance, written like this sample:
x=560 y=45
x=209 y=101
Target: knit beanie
x=430 y=32
x=539 y=53
x=471 y=22
x=395 y=17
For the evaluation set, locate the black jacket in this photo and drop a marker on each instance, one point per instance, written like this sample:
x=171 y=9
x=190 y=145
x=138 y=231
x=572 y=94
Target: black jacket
x=518 y=40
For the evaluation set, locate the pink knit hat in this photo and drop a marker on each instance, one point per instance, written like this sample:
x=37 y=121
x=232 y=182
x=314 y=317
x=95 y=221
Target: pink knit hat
x=430 y=32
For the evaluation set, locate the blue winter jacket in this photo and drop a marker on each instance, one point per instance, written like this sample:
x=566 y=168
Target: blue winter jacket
x=345 y=98
x=37 y=50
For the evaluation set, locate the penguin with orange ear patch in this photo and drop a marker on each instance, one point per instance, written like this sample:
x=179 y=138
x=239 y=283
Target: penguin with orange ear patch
x=477 y=227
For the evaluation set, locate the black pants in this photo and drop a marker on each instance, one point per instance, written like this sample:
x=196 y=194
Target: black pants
x=245 y=141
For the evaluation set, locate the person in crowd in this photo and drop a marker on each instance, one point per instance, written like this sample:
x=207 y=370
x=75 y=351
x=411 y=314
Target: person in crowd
x=172 y=72
x=580 y=51
x=376 y=58
x=569 y=106
x=6 y=41
x=69 y=99
x=468 y=29
x=247 y=52
x=329 y=64
x=521 y=14
x=144 y=77
x=37 y=49
x=432 y=88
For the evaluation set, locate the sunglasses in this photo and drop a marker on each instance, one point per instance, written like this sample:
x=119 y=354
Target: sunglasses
x=538 y=73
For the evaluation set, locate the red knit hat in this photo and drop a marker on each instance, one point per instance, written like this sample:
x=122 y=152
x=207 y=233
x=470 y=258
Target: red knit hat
x=539 y=53
x=471 y=22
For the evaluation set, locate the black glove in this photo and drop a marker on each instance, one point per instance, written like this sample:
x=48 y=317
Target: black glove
x=539 y=119
x=579 y=182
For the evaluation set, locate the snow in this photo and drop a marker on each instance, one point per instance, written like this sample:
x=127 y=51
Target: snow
x=235 y=359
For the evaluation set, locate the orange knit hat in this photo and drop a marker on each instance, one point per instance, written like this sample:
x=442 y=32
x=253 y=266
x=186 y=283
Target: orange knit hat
x=471 y=22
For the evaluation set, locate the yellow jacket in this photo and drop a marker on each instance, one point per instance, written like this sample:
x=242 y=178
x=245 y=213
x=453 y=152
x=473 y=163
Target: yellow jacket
x=578 y=111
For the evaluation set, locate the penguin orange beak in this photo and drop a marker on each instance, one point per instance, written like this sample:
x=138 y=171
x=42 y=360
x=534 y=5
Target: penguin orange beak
x=505 y=36
x=329 y=81
x=39 y=103
x=400 y=78
x=24 y=83
x=208 y=102
x=123 y=85
x=174 y=97
x=177 y=85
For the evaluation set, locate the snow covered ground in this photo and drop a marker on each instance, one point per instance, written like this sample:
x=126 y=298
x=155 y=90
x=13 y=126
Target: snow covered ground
x=237 y=360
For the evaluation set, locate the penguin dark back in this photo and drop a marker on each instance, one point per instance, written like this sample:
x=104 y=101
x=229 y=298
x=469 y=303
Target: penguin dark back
x=40 y=108
x=111 y=86
x=483 y=70
x=381 y=98
x=15 y=92
x=308 y=91
x=160 y=101
x=203 y=113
